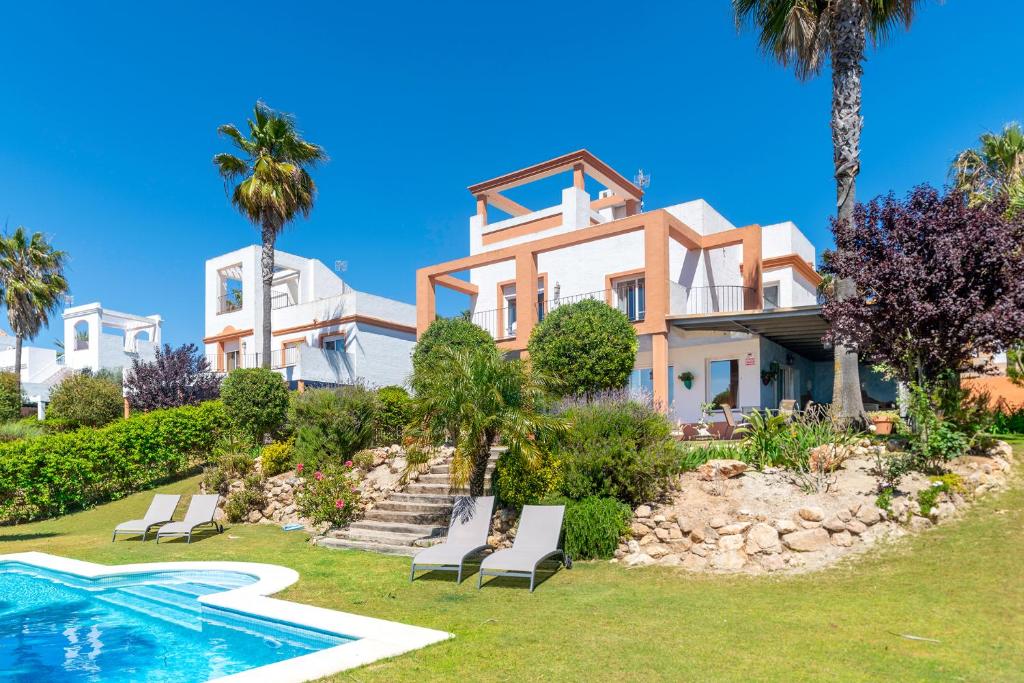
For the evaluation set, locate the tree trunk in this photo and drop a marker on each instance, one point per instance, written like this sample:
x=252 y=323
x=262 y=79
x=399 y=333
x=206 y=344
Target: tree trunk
x=479 y=471
x=17 y=361
x=267 y=268
x=848 y=45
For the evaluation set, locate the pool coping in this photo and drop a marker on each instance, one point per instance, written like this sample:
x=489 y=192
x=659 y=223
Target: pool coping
x=377 y=638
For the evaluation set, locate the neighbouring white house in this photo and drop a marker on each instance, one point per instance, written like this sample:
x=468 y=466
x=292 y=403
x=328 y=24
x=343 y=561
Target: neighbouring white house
x=95 y=339
x=737 y=307
x=323 y=332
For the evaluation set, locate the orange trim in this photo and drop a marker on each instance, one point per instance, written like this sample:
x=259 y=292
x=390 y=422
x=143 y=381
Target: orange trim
x=795 y=262
x=579 y=178
x=500 y=316
x=227 y=334
x=536 y=225
x=356 y=318
x=659 y=370
x=507 y=205
x=284 y=347
x=456 y=284
x=481 y=208
x=611 y=277
x=323 y=335
x=596 y=168
x=605 y=202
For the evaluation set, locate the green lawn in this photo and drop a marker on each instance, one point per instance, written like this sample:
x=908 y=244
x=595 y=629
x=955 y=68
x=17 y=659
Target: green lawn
x=962 y=584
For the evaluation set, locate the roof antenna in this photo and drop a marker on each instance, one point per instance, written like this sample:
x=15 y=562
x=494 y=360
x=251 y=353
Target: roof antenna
x=643 y=181
x=68 y=300
x=341 y=267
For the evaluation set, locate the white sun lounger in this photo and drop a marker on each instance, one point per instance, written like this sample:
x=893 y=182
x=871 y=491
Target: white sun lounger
x=536 y=540
x=201 y=510
x=467 y=535
x=160 y=511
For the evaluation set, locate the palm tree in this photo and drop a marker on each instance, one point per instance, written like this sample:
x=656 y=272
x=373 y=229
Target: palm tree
x=274 y=186
x=993 y=171
x=32 y=285
x=803 y=34
x=474 y=397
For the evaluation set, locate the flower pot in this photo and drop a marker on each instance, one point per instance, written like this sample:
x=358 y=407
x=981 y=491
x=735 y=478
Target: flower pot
x=883 y=425
x=688 y=383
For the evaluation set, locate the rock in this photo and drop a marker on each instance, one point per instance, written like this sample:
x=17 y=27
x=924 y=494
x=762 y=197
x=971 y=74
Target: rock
x=674 y=533
x=869 y=514
x=685 y=524
x=772 y=563
x=700 y=550
x=805 y=524
x=254 y=517
x=734 y=528
x=762 y=538
x=720 y=469
x=670 y=561
x=811 y=513
x=718 y=521
x=633 y=546
x=648 y=539
x=844 y=515
x=732 y=542
x=694 y=563
x=658 y=519
x=681 y=545
x=697 y=535
x=919 y=523
x=643 y=511
x=843 y=539
x=856 y=527
x=807 y=540
x=732 y=560
x=656 y=550
x=785 y=526
x=834 y=524
x=710 y=534
x=638 y=560
x=662 y=534
x=638 y=530
x=943 y=511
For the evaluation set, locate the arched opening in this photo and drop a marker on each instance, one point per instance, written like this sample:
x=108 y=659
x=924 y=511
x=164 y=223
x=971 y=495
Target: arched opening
x=81 y=335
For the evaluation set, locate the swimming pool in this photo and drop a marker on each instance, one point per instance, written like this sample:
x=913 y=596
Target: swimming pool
x=63 y=620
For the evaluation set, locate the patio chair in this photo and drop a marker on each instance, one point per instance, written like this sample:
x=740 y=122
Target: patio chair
x=201 y=510
x=730 y=420
x=467 y=535
x=536 y=540
x=161 y=510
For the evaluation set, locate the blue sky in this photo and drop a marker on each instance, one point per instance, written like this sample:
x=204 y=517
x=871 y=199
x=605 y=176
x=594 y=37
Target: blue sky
x=109 y=112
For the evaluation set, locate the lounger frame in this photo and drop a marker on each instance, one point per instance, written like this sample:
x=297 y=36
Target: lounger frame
x=136 y=532
x=446 y=567
x=188 y=534
x=531 y=575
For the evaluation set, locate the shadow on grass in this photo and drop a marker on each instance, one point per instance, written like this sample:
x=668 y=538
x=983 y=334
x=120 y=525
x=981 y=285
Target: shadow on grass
x=27 y=537
x=545 y=571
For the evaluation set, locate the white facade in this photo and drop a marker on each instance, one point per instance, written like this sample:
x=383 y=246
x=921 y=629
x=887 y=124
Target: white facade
x=96 y=338
x=322 y=330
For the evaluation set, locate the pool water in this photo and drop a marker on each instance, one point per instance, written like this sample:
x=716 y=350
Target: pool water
x=142 y=627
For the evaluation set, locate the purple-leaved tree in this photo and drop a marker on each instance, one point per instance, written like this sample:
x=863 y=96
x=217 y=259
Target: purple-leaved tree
x=176 y=377
x=939 y=282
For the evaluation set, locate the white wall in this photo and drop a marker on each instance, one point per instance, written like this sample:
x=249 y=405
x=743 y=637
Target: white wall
x=785 y=238
x=382 y=356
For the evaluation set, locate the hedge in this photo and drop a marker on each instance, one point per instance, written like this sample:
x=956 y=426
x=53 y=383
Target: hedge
x=55 y=474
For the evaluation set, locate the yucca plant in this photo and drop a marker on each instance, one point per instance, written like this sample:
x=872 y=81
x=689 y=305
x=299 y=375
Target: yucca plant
x=763 y=439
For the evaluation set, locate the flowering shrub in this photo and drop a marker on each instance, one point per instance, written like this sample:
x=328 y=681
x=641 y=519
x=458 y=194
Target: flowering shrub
x=330 y=494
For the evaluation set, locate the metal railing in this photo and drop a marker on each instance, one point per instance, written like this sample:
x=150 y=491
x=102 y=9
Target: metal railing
x=281 y=300
x=720 y=299
x=495 y=321
x=285 y=358
x=232 y=360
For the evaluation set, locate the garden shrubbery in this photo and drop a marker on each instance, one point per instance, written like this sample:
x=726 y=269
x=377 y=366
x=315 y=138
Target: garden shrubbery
x=256 y=400
x=332 y=425
x=57 y=473
x=84 y=400
x=10 y=397
x=516 y=483
x=330 y=494
x=394 y=413
x=277 y=457
x=443 y=337
x=593 y=526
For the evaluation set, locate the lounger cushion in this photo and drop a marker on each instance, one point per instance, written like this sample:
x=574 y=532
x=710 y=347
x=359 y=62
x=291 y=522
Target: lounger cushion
x=442 y=554
x=139 y=525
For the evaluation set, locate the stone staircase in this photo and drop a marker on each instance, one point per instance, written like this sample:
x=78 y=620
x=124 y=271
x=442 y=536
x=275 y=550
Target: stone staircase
x=406 y=521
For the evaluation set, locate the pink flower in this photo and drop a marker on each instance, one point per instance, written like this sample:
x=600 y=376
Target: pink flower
x=348 y=463
x=339 y=504
x=318 y=475
x=298 y=468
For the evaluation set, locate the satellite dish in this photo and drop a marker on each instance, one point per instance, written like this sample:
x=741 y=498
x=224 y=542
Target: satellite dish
x=340 y=266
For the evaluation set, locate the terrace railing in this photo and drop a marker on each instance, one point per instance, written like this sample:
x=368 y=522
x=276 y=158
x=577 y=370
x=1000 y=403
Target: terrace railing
x=720 y=299
x=231 y=360
x=496 y=323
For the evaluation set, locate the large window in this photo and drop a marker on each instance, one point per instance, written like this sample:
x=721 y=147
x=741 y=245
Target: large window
x=771 y=296
x=641 y=384
x=630 y=298
x=723 y=382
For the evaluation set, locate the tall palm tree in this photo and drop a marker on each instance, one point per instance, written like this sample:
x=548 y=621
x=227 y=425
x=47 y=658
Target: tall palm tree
x=32 y=285
x=274 y=184
x=804 y=34
x=993 y=171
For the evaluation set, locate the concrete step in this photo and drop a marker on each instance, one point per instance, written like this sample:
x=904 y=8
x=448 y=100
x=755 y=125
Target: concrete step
x=428 y=489
x=423 y=530
x=440 y=469
x=392 y=505
x=383 y=548
x=433 y=478
x=376 y=536
x=433 y=517
x=421 y=499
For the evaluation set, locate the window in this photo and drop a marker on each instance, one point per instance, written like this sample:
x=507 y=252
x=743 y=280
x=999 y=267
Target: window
x=541 y=305
x=771 y=296
x=630 y=298
x=641 y=384
x=723 y=382
x=230 y=289
x=289 y=353
x=334 y=343
x=510 y=315
x=232 y=360
x=81 y=335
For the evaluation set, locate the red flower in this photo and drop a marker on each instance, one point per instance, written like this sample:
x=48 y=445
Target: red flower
x=298 y=468
x=318 y=475
x=348 y=463
x=339 y=503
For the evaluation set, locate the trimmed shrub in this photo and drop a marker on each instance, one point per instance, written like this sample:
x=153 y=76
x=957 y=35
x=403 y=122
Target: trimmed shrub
x=583 y=348
x=394 y=413
x=175 y=377
x=593 y=526
x=1009 y=421
x=516 y=484
x=241 y=502
x=57 y=473
x=445 y=335
x=277 y=457
x=364 y=460
x=82 y=400
x=332 y=425
x=617 y=448
x=10 y=397
x=22 y=429
x=331 y=494
x=256 y=399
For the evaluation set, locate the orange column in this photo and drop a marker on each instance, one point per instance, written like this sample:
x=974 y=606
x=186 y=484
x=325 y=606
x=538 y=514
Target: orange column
x=659 y=368
x=579 y=179
x=656 y=274
x=526 y=296
x=752 y=279
x=426 y=302
x=127 y=409
x=481 y=208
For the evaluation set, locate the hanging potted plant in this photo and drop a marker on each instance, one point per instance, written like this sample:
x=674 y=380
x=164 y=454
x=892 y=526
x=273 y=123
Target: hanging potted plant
x=767 y=376
x=686 y=378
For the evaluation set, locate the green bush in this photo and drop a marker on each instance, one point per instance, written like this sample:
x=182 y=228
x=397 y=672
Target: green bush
x=277 y=457
x=57 y=473
x=241 y=502
x=364 y=460
x=331 y=494
x=10 y=397
x=256 y=400
x=516 y=484
x=593 y=526
x=1007 y=421
x=583 y=348
x=332 y=425
x=444 y=336
x=28 y=428
x=394 y=413
x=617 y=448
x=928 y=497
x=82 y=400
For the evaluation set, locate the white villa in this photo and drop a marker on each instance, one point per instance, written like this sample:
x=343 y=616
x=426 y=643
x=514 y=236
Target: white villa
x=324 y=333
x=735 y=306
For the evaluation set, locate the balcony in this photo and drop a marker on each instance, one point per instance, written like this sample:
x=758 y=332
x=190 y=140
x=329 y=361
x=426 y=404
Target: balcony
x=496 y=321
x=715 y=299
x=224 y=363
